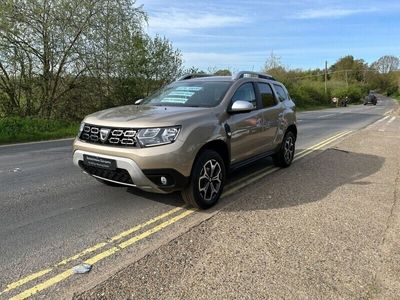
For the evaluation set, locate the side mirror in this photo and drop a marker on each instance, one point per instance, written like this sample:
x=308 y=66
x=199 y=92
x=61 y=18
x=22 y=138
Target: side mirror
x=137 y=102
x=241 y=107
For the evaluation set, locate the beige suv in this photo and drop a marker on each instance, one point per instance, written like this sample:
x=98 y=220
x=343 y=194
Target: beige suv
x=189 y=135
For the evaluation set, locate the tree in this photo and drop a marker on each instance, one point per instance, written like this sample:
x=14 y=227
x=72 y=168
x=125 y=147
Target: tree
x=149 y=64
x=272 y=62
x=46 y=46
x=349 y=69
x=386 y=64
x=108 y=44
x=223 y=72
x=193 y=70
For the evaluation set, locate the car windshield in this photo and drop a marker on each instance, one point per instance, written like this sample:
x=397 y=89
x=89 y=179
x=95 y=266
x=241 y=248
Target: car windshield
x=189 y=94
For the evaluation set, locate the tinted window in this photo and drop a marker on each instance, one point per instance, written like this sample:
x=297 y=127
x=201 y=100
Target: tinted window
x=245 y=93
x=281 y=92
x=267 y=96
x=183 y=93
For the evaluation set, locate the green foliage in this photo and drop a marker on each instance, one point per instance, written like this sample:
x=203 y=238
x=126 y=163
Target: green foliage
x=354 y=92
x=17 y=129
x=223 y=72
x=309 y=93
x=348 y=77
x=348 y=69
x=61 y=58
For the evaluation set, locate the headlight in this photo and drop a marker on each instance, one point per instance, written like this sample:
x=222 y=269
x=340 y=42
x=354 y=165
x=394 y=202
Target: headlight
x=149 y=137
x=81 y=129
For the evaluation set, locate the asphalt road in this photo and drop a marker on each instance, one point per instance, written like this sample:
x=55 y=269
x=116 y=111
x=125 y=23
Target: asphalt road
x=49 y=210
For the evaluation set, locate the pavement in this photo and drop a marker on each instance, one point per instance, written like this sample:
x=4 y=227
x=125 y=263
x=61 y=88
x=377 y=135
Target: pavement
x=326 y=228
x=53 y=217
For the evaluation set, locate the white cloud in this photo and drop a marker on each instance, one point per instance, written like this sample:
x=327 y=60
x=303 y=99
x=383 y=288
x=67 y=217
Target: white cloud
x=183 y=22
x=327 y=12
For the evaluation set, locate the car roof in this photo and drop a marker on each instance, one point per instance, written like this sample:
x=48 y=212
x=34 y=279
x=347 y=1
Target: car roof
x=242 y=74
x=211 y=78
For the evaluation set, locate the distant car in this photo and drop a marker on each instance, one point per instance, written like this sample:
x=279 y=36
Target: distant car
x=371 y=98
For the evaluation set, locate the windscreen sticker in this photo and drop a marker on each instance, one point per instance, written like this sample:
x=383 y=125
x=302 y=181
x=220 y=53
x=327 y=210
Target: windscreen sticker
x=181 y=93
x=174 y=100
x=189 y=88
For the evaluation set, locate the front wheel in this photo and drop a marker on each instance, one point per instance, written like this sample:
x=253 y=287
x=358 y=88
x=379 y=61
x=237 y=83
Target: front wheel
x=284 y=157
x=207 y=180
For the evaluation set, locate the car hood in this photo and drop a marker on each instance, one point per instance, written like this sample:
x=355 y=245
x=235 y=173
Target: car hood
x=145 y=116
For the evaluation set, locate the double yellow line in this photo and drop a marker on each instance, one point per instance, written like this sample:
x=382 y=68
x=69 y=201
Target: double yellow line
x=321 y=144
x=115 y=243
x=96 y=258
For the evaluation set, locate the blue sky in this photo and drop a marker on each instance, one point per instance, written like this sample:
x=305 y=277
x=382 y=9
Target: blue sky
x=240 y=35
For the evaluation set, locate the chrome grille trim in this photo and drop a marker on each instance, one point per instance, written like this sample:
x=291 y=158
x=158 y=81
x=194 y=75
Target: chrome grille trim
x=130 y=133
x=124 y=137
x=127 y=141
x=117 y=132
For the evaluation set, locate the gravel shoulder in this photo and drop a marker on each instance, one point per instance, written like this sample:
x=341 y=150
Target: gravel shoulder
x=327 y=227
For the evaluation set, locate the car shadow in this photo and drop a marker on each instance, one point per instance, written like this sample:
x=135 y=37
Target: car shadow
x=308 y=180
x=172 y=199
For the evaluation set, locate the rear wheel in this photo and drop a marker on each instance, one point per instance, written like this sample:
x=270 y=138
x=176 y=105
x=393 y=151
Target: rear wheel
x=207 y=180
x=284 y=157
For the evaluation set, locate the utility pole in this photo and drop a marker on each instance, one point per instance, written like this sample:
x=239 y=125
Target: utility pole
x=347 y=79
x=326 y=77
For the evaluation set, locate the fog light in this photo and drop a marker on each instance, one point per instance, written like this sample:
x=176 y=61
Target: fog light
x=163 y=180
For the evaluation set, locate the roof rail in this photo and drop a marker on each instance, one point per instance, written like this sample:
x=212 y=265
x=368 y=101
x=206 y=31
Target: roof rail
x=243 y=74
x=191 y=76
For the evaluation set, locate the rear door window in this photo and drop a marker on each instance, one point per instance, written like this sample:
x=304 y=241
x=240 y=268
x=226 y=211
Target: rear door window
x=267 y=95
x=281 y=93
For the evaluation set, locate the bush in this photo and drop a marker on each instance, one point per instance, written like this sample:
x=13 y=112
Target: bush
x=354 y=92
x=392 y=90
x=309 y=94
x=17 y=129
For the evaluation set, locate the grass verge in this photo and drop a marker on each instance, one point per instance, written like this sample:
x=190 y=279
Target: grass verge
x=17 y=129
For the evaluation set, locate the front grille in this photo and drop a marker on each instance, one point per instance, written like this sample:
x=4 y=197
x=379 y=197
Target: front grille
x=109 y=136
x=118 y=175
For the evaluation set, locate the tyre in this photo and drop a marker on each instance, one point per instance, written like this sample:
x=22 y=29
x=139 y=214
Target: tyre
x=207 y=180
x=284 y=157
x=109 y=183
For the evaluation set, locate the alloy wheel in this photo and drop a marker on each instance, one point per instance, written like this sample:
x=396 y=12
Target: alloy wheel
x=288 y=149
x=210 y=179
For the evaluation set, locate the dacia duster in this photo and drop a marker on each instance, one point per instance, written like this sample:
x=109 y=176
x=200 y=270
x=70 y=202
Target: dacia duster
x=187 y=136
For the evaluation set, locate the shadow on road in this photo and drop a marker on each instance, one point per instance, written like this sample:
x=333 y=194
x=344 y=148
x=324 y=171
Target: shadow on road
x=173 y=199
x=309 y=180
x=305 y=181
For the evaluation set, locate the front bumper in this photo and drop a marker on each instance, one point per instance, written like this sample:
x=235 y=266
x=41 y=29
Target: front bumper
x=139 y=179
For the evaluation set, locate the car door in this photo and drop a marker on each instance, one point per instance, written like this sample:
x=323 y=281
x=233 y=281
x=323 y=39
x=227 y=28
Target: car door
x=246 y=128
x=272 y=111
